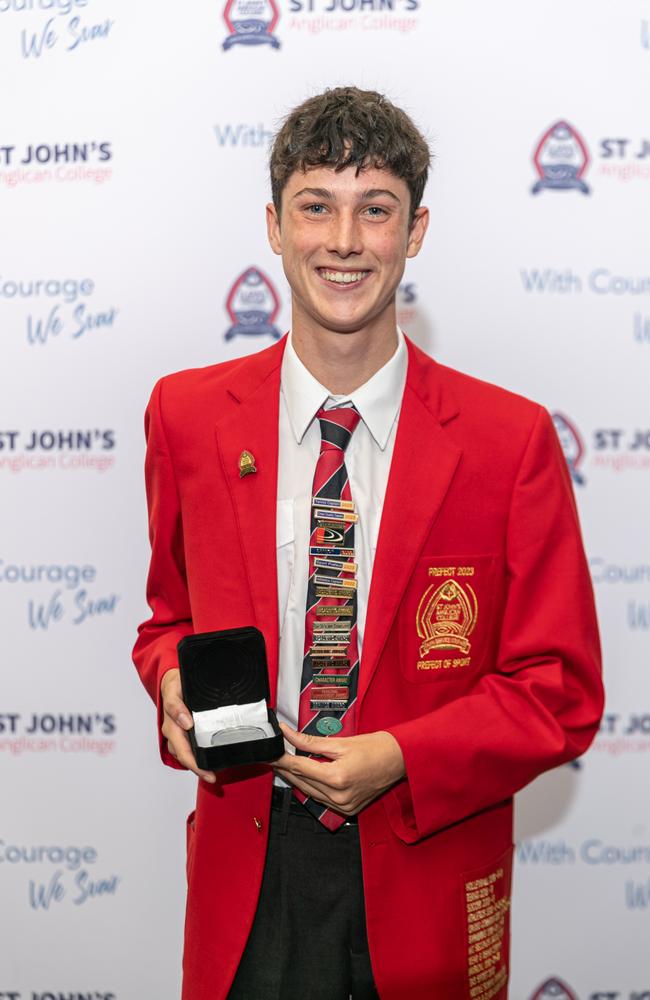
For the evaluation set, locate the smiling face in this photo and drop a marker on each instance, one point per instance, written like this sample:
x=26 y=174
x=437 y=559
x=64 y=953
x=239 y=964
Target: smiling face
x=344 y=239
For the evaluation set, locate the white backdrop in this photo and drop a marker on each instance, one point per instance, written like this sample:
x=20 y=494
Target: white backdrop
x=132 y=184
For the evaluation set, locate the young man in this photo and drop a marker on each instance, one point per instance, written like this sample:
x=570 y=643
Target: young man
x=408 y=545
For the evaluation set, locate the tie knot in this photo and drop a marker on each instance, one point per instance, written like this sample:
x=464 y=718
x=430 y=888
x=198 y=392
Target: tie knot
x=337 y=425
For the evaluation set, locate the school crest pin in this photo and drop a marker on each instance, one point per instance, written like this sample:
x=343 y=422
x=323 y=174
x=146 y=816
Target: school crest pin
x=246 y=464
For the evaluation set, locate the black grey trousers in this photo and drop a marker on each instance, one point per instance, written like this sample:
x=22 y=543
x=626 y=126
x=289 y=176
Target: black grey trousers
x=308 y=940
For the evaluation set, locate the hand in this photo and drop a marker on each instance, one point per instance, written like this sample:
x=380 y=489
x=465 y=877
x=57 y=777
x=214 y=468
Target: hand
x=177 y=718
x=357 y=768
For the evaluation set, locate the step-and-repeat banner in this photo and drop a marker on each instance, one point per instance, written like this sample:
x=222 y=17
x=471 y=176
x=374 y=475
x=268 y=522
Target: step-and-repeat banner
x=133 y=147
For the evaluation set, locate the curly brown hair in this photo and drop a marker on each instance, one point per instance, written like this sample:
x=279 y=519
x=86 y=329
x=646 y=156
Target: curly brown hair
x=345 y=127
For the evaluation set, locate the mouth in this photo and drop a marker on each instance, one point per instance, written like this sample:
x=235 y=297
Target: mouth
x=342 y=278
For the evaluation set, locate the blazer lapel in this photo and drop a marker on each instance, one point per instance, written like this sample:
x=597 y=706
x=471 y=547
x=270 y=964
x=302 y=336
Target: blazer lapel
x=423 y=465
x=252 y=426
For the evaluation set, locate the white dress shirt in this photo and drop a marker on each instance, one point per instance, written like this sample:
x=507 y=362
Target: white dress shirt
x=367 y=459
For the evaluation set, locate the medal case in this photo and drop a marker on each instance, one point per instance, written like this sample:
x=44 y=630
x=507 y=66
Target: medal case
x=228 y=668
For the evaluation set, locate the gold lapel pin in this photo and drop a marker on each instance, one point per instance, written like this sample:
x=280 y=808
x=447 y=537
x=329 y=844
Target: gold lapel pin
x=246 y=464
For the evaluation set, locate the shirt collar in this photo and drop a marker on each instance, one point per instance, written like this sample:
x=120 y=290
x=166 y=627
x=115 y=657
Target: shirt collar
x=378 y=400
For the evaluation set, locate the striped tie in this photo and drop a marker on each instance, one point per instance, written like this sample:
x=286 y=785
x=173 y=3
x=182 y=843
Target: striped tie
x=330 y=669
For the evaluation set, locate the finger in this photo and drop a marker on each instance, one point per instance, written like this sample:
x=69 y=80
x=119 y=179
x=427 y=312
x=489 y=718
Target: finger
x=322 y=774
x=284 y=761
x=308 y=787
x=179 y=747
x=333 y=800
x=324 y=746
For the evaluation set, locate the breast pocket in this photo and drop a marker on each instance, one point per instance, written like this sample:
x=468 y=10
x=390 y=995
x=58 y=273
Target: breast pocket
x=285 y=555
x=445 y=617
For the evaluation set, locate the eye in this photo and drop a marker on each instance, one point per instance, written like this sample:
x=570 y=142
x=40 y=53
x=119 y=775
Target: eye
x=315 y=209
x=376 y=211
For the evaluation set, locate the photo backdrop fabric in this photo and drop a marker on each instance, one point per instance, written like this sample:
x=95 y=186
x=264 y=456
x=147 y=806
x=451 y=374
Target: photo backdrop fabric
x=133 y=179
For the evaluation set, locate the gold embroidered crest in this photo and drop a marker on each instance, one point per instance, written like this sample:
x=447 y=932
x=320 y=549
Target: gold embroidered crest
x=446 y=616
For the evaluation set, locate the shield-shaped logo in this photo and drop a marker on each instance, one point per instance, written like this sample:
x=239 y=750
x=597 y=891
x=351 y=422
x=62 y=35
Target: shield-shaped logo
x=554 y=989
x=446 y=616
x=251 y=22
x=561 y=159
x=572 y=446
x=253 y=305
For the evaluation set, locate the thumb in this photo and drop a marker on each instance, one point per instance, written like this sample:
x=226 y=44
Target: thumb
x=172 y=697
x=182 y=715
x=324 y=746
x=178 y=711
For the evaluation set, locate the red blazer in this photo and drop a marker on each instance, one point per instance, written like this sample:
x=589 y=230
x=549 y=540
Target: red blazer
x=480 y=655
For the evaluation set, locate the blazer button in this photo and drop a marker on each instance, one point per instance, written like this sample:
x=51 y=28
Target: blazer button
x=258 y=823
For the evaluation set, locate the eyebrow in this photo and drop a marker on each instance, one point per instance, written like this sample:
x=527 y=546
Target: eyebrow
x=377 y=193
x=326 y=195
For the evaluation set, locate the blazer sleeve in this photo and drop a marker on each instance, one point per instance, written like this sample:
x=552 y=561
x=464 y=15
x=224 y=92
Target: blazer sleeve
x=540 y=705
x=167 y=594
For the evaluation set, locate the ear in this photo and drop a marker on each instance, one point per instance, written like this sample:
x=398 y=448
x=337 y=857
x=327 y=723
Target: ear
x=417 y=231
x=273 y=228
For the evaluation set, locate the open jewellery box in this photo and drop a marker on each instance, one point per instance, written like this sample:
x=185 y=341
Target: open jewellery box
x=225 y=683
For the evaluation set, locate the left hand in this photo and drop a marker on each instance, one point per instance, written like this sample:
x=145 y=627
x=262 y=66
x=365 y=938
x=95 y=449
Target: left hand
x=356 y=770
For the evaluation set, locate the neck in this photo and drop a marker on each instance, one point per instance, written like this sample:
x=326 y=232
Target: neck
x=344 y=361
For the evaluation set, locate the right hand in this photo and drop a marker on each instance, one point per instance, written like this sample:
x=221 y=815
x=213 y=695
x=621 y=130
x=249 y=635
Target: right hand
x=177 y=719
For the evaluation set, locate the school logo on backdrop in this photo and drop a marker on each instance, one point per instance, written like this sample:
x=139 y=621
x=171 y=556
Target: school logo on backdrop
x=37 y=733
x=572 y=446
x=615 y=449
x=38 y=163
x=78 y=449
x=561 y=160
x=253 y=305
x=315 y=17
x=554 y=989
x=251 y=22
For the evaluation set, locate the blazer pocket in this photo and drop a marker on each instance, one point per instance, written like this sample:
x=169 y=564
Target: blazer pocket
x=444 y=621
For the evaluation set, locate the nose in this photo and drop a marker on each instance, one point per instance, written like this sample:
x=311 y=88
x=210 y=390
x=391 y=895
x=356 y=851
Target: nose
x=344 y=235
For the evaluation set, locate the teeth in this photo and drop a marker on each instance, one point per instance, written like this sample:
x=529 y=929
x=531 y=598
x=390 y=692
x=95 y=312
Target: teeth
x=343 y=277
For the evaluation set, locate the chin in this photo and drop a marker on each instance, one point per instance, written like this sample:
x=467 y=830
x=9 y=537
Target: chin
x=340 y=320
x=338 y=324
